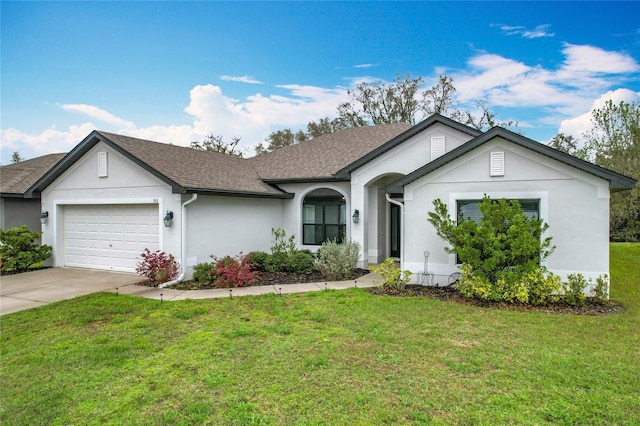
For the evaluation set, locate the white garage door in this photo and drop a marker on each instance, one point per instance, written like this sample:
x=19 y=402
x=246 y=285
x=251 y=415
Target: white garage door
x=109 y=236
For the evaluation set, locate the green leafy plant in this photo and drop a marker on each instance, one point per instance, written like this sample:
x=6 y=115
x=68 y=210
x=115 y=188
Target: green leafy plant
x=394 y=278
x=281 y=243
x=204 y=273
x=573 y=289
x=19 y=251
x=502 y=252
x=158 y=267
x=601 y=289
x=337 y=261
x=301 y=262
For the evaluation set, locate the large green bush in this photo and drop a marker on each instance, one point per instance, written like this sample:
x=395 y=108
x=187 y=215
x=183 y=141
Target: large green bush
x=504 y=243
x=284 y=256
x=337 y=261
x=19 y=251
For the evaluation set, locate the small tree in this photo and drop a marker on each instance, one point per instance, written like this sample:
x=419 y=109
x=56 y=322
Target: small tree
x=19 y=251
x=505 y=244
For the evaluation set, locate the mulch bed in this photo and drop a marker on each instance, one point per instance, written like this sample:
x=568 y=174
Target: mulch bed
x=450 y=294
x=269 y=278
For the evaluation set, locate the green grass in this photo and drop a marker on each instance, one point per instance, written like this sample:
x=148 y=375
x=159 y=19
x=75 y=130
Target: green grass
x=327 y=358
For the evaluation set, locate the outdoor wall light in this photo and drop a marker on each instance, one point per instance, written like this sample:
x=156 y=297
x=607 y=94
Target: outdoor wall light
x=168 y=218
x=44 y=216
x=356 y=216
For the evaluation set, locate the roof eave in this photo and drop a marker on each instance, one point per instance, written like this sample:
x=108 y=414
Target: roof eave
x=235 y=193
x=80 y=150
x=305 y=180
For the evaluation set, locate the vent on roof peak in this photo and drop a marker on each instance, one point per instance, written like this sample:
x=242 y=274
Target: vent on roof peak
x=438 y=147
x=497 y=164
x=102 y=165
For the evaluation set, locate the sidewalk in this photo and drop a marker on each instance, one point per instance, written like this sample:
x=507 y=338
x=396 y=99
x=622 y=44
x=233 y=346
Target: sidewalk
x=365 y=281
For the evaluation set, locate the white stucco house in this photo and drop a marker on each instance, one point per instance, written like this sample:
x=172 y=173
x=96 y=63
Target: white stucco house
x=107 y=199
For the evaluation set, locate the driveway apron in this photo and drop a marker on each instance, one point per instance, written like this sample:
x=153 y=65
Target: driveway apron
x=37 y=288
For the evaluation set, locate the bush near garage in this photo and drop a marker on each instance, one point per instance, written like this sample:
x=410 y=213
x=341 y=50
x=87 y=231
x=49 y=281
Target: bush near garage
x=19 y=251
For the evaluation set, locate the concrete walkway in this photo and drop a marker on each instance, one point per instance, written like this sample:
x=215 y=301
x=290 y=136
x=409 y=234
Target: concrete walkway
x=31 y=289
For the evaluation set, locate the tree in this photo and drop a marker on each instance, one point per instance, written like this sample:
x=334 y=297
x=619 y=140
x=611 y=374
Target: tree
x=567 y=144
x=16 y=157
x=614 y=142
x=213 y=143
x=381 y=103
x=281 y=139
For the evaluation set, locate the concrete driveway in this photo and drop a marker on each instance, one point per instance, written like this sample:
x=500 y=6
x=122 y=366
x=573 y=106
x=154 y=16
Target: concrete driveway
x=37 y=288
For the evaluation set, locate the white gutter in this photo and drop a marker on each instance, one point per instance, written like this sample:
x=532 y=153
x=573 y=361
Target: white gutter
x=183 y=249
x=398 y=203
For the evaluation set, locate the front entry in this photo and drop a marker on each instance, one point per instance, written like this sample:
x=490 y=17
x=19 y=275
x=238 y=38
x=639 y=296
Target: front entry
x=394 y=228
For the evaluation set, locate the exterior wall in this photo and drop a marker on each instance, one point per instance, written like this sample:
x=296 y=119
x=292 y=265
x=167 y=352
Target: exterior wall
x=365 y=185
x=15 y=212
x=574 y=204
x=222 y=226
x=126 y=183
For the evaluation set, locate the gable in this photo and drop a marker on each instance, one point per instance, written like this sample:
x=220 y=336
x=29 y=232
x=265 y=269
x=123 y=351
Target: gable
x=412 y=153
x=530 y=147
x=103 y=167
x=522 y=170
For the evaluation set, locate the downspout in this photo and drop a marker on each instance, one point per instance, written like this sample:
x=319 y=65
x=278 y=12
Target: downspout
x=183 y=248
x=398 y=203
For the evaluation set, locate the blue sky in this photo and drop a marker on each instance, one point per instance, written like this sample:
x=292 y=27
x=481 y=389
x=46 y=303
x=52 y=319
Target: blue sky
x=176 y=71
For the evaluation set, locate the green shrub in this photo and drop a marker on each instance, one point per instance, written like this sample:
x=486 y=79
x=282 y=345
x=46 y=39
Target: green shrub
x=259 y=258
x=536 y=287
x=282 y=244
x=394 y=278
x=300 y=262
x=505 y=240
x=337 y=261
x=573 y=289
x=18 y=250
x=542 y=289
x=601 y=289
x=204 y=273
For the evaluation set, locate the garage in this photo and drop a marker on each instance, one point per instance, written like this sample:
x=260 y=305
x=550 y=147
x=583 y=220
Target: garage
x=109 y=237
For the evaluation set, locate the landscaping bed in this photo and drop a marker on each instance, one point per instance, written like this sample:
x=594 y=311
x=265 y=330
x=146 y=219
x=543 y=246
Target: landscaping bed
x=451 y=294
x=268 y=278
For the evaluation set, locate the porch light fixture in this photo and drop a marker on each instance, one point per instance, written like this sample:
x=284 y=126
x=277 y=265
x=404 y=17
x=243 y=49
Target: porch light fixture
x=356 y=216
x=44 y=217
x=168 y=218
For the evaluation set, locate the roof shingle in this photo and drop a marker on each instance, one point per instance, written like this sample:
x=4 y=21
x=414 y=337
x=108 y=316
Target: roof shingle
x=17 y=178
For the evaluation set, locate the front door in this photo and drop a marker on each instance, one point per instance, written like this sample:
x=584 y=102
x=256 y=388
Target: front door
x=395 y=227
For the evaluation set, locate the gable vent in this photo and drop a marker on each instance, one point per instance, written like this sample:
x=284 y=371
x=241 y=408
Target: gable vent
x=497 y=164
x=102 y=164
x=437 y=147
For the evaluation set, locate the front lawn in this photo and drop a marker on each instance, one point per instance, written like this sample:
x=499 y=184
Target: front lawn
x=334 y=357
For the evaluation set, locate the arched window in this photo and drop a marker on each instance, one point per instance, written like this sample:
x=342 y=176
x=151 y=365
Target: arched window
x=324 y=217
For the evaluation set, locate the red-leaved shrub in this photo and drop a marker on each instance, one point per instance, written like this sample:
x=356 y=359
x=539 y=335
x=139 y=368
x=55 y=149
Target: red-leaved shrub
x=235 y=271
x=158 y=266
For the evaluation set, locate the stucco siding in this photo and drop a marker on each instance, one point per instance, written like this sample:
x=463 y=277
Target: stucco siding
x=573 y=203
x=16 y=212
x=224 y=226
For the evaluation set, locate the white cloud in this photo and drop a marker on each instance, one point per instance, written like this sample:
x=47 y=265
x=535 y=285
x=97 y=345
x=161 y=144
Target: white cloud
x=581 y=124
x=241 y=79
x=538 y=32
x=593 y=60
x=364 y=65
x=98 y=114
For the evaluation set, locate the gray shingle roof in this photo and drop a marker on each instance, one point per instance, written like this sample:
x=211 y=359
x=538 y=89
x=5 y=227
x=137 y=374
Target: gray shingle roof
x=17 y=178
x=194 y=170
x=323 y=156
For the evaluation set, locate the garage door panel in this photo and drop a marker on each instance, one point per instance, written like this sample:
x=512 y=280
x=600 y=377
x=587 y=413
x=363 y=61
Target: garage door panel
x=109 y=237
